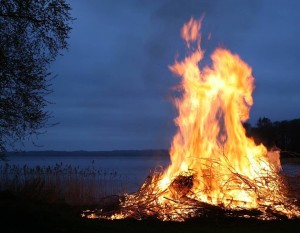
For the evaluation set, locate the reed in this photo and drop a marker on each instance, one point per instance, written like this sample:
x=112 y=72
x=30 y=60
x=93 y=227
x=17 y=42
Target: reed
x=62 y=183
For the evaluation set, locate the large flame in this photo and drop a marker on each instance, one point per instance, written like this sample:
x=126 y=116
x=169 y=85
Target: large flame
x=211 y=143
x=212 y=160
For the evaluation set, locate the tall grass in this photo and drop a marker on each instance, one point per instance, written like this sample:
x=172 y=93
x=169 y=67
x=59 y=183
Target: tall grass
x=61 y=183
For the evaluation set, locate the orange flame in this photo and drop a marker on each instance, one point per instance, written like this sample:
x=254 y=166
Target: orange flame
x=228 y=168
x=211 y=142
x=212 y=160
x=190 y=31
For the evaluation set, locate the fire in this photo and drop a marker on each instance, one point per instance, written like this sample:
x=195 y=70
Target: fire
x=213 y=163
x=211 y=141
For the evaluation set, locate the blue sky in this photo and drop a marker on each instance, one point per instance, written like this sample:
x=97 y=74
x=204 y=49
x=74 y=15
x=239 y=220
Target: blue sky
x=113 y=86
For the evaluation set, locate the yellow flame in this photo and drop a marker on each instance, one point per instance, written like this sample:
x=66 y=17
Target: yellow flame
x=211 y=140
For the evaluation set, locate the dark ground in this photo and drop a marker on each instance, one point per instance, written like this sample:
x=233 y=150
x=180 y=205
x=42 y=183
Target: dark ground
x=18 y=214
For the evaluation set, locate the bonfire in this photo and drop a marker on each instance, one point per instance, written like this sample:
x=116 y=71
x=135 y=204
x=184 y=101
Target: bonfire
x=215 y=168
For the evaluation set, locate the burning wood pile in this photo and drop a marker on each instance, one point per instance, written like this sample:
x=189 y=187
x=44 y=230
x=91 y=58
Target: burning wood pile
x=215 y=169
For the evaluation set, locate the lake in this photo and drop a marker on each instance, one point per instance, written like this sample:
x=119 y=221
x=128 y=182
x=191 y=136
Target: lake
x=134 y=166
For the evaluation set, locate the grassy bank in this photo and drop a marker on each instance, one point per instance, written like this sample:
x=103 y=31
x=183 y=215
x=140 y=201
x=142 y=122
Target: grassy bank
x=25 y=215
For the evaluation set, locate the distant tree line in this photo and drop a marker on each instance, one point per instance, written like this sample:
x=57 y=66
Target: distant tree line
x=282 y=134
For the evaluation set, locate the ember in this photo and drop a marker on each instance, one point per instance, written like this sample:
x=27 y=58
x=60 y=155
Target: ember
x=214 y=167
x=181 y=185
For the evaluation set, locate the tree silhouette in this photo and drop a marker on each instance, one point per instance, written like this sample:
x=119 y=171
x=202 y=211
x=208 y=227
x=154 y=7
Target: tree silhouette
x=32 y=32
x=282 y=134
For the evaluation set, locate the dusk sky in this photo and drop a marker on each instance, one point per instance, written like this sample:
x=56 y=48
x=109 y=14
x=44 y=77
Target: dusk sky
x=113 y=88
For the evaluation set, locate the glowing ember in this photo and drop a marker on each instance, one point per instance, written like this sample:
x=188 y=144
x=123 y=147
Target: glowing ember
x=213 y=163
